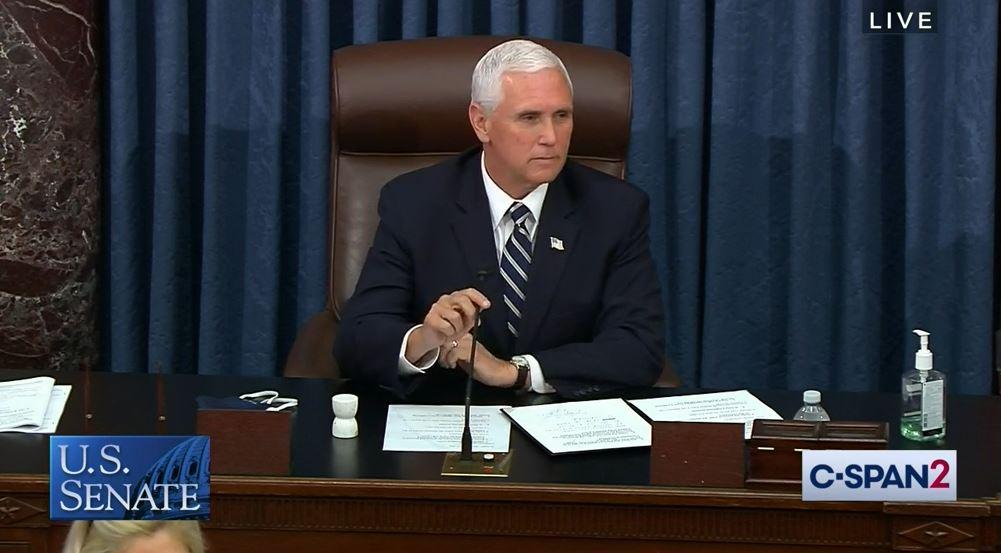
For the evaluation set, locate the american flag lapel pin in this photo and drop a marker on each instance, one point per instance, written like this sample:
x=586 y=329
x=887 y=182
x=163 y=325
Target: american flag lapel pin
x=555 y=243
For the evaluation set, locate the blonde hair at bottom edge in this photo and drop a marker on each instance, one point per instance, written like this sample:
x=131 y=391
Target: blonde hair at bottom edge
x=108 y=536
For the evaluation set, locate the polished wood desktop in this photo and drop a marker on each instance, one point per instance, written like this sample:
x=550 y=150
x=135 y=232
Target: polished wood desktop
x=349 y=493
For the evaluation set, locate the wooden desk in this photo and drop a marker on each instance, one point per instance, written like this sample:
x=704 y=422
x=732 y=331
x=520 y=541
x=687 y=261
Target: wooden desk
x=348 y=493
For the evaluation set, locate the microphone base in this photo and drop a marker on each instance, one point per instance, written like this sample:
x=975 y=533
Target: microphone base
x=498 y=467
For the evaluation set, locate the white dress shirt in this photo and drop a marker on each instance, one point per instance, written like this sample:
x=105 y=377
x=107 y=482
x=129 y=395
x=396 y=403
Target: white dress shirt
x=503 y=227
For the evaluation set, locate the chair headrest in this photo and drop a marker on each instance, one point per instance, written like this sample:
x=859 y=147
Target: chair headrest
x=411 y=96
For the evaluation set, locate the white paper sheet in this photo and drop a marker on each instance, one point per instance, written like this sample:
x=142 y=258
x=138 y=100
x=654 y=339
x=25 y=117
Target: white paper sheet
x=54 y=411
x=438 y=428
x=23 y=402
x=583 y=425
x=739 y=406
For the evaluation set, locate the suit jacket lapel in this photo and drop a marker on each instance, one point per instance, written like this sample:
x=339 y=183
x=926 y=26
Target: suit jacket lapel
x=557 y=228
x=471 y=226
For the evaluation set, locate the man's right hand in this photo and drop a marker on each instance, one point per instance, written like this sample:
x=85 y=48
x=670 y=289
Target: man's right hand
x=449 y=319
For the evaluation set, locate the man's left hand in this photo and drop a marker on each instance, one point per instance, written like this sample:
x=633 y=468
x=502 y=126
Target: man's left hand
x=489 y=370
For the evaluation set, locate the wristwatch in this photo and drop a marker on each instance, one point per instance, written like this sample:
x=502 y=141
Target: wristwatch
x=521 y=364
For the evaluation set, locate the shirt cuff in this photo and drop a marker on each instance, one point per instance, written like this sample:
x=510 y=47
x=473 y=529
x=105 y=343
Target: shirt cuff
x=405 y=368
x=539 y=385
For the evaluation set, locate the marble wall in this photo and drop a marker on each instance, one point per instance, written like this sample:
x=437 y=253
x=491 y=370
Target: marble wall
x=49 y=182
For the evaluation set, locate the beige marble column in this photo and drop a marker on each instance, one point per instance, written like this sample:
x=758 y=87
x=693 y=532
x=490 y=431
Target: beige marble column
x=50 y=195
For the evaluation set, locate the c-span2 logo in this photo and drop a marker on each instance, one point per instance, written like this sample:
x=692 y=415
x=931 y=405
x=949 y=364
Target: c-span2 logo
x=128 y=477
x=874 y=475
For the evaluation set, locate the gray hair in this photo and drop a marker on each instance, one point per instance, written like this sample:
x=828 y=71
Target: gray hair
x=513 y=55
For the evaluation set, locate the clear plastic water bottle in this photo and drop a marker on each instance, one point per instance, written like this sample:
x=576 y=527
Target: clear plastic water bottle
x=811 y=410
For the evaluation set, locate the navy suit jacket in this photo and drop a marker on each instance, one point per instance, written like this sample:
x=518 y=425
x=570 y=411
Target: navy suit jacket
x=593 y=316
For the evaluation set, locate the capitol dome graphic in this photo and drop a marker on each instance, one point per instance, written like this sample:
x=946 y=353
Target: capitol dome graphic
x=185 y=463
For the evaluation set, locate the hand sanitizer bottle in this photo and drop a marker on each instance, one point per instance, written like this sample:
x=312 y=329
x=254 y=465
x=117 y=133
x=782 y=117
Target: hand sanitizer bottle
x=923 y=398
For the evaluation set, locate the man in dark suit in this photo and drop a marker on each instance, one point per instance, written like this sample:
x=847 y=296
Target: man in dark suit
x=555 y=255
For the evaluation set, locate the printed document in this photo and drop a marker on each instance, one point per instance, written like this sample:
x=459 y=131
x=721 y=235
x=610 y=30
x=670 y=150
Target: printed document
x=740 y=406
x=439 y=428
x=32 y=405
x=583 y=425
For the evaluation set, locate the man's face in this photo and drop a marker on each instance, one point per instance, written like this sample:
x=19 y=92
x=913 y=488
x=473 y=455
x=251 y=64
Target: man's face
x=526 y=137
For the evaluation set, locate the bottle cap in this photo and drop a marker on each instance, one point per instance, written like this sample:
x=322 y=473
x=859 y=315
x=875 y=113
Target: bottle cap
x=811 y=396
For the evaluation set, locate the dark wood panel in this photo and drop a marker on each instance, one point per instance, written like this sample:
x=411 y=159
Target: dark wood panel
x=258 y=514
x=262 y=542
x=19 y=540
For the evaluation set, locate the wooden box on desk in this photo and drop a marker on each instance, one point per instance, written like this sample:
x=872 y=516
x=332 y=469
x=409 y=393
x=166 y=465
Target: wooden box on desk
x=697 y=454
x=774 y=452
x=247 y=441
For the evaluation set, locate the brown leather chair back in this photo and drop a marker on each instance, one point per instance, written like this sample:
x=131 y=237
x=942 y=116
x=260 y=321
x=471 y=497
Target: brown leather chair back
x=400 y=106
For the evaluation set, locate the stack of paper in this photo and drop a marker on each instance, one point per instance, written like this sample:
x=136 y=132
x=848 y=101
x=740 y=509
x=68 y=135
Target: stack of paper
x=740 y=406
x=583 y=425
x=32 y=405
x=439 y=428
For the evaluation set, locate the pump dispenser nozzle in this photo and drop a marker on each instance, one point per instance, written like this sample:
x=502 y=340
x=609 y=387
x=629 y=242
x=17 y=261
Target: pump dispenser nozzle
x=923 y=357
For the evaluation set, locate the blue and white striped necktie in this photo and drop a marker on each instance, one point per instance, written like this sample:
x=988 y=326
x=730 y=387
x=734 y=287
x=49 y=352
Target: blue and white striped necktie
x=515 y=262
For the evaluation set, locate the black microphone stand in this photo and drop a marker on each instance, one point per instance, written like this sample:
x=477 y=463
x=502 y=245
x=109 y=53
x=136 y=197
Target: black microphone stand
x=467 y=436
x=465 y=463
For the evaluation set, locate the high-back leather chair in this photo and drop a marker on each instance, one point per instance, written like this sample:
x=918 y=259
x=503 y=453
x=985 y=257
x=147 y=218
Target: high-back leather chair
x=400 y=106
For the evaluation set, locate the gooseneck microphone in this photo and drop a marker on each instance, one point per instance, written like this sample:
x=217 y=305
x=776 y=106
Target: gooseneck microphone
x=466 y=453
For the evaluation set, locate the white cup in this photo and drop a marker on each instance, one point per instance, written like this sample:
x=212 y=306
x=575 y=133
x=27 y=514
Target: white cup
x=345 y=408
